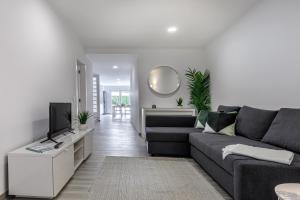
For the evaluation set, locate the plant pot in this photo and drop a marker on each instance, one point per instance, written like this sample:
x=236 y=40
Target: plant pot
x=83 y=127
x=179 y=106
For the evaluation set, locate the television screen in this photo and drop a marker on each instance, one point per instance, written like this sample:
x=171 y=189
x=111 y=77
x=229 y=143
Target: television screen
x=60 y=118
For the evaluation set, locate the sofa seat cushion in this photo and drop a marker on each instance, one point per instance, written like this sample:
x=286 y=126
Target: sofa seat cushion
x=212 y=144
x=169 y=134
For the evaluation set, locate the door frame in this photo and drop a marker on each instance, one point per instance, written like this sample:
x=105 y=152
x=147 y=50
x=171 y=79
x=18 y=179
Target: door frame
x=81 y=86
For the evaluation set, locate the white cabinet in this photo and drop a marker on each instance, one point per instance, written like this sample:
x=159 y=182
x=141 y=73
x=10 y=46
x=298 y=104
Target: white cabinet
x=43 y=175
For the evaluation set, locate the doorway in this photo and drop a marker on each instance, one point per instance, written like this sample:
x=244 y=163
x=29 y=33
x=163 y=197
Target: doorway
x=114 y=72
x=120 y=100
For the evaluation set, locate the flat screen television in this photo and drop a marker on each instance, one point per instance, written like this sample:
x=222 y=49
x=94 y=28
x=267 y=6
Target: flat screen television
x=60 y=119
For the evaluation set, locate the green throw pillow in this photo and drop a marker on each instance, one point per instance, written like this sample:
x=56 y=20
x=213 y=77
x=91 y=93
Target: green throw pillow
x=201 y=119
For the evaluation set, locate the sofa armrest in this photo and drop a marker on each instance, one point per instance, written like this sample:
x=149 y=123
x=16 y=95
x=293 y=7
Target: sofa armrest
x=170 y=121
x=256 y=180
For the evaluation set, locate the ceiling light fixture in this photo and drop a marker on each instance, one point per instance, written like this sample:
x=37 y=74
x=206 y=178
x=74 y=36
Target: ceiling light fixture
x=118 y=79
x=172 y=29
x=115 y=67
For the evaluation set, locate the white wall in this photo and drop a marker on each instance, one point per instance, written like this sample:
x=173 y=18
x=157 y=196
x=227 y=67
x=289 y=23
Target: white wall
x=37 y=57
x=89 y=89
x=180 y=60
x=256 y=62
x=135 y=99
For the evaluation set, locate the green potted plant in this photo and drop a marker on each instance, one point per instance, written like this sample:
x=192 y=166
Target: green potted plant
x=179 y=102
x=82 y=118
x=199 y=85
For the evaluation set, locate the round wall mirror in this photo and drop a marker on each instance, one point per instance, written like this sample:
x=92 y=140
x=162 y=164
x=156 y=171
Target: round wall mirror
x=164 y=80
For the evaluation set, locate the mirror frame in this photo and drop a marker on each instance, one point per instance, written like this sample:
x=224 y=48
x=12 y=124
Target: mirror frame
x=169 y=93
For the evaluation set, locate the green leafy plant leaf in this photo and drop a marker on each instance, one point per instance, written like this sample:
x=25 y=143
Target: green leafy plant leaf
x=179 y=101
x=84 y=116
x=199 y=85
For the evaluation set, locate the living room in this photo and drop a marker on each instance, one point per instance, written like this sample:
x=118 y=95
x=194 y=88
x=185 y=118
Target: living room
x=243 y=53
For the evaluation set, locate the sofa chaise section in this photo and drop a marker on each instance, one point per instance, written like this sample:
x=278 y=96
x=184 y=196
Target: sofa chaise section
x=169 y=135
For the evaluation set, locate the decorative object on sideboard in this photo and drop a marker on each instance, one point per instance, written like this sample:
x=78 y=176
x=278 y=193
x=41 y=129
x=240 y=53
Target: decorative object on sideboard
x=199 y=85
x=154 y=106
x=83 y=117
x=164 y=80
x=179 y=102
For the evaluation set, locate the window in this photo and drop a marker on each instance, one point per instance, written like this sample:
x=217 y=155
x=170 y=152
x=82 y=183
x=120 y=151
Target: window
x=115 y=98
x=120 y=98
x=125 y=98
x=95 y=94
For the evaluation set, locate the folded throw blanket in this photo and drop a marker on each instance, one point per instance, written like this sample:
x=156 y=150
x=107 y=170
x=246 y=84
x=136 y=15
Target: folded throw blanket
x=279 y=156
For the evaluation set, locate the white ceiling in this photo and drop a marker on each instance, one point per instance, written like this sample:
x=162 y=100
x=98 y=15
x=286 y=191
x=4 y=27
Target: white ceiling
x=103 y=65
x=143 y=23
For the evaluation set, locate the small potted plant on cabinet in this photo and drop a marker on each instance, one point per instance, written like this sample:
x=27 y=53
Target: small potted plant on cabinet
x=179 y=102
x=83 y=117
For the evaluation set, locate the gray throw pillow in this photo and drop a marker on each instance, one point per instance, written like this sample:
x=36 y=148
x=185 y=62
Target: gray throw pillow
x=285 y=130
x=254 y=123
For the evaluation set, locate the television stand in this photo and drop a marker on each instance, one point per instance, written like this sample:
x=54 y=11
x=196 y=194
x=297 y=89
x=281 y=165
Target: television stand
x=48 y=172
x=72 y=131
x=48 y=140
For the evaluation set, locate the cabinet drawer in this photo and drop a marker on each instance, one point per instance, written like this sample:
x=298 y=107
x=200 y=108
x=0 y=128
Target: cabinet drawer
x=63 y=168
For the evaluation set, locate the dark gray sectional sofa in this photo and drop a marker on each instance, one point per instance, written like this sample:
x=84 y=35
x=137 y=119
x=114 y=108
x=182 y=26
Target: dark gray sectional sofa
x=244 y=178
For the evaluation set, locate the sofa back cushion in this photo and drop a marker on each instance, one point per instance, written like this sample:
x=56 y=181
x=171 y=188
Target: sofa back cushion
x=170 y=121
x=223 y=108
x=285 y=130
x=253 y=123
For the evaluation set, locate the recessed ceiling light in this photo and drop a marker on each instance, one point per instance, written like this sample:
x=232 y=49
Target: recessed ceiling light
x=118 y=79
x=172 y=29
x=115 y=67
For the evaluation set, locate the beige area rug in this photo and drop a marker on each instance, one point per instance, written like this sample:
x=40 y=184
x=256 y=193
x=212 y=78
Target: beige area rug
x=148 y=178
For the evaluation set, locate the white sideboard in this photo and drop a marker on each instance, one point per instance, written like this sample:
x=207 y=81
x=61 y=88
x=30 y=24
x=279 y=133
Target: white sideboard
x=32 y=174
x=164 y=111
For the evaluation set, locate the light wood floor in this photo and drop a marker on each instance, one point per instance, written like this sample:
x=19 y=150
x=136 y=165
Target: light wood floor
x=116 y=137
x=113 y=137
